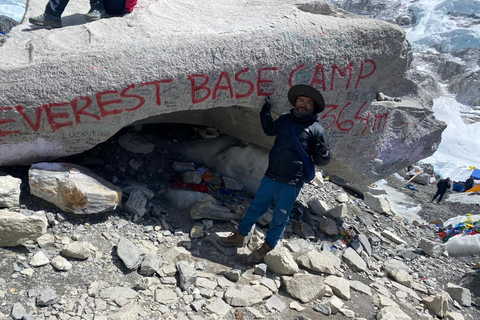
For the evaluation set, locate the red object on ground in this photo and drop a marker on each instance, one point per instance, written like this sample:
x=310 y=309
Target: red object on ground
x=129 y=5
x=196 y=187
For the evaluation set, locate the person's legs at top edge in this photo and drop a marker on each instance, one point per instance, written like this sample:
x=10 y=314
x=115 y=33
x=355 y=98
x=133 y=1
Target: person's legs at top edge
x=97 y=10
x=284 y=197
x=261 y=202
x=52 y=14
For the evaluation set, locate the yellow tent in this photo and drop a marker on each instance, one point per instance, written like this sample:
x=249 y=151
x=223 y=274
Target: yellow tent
x=476 y=188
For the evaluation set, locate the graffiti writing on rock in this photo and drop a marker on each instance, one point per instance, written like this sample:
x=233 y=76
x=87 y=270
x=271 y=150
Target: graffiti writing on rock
x=227 y=86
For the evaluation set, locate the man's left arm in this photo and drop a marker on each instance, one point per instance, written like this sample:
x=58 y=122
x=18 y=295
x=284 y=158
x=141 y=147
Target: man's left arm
x=321 y=149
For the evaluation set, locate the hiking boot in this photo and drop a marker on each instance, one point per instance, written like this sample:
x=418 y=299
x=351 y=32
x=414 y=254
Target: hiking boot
x=235 y=239
x=95 y=14
x=258 y=255
x=46 y=20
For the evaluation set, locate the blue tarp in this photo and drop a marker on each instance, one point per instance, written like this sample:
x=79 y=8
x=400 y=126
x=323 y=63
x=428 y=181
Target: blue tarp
x=476 y=174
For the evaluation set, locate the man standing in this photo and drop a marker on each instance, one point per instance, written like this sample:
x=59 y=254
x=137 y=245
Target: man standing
x=442 y=187
x=285 y=173
x=54 y=9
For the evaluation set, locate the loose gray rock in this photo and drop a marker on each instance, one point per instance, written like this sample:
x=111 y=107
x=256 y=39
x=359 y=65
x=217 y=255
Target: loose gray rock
x=9 y=191
x=73 y=188
x=39 y=259
x=459 y=294
x=77 y=250
x=150 y=264
x=316 y=261
x=15 y=228
x=354 y=261
x=136 y=203
x=328 y=226
x=281 y=261
x=305 y=287
x=135 y=143
x=340 y=286
x=61 y=264
x=241 y=296
x=129 y=253
x=432 y=248
x=47 y=297
x=187 y=274
x=18 y=311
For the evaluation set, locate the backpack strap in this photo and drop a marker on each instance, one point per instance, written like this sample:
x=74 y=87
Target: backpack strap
x=308 y=165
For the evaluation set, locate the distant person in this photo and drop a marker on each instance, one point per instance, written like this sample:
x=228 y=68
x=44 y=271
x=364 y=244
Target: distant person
x=469 y=183
x=297 y=131
x=54 y=9
x=442 y=187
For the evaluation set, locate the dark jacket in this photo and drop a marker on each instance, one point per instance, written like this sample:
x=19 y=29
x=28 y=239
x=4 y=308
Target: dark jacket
x=443 y=185
x=285 y=164
x=469 y=184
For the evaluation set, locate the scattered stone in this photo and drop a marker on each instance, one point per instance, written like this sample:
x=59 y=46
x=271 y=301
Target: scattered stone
x=232 y=184
x=318 y=207
x=432 y=248
x=191 y=177
x=77 y=250
x=241 y=296
x=39 y=259
x=402 y=277
x=183 y=166
x=296 y=306
x=316 y=261
x=281 y=261
x=16 y=228
x=18 y=311
x=209 y=210
x=135 y=143
x=340 y=286
x=136 y=203
x=150 y=264
x=392 y=313
x=47 y=297
x=438 y=304
x=393 y=237
x=234 y=275
x=73 y=188
x=9 y=191
x=354 y=261
x=459 y=294
x=61 y=264
x=304 y=230
x=378 y=203
x=340 y=211
x=305 y=287
x=328 y=226
x=219 y=307
x=274 y=303
x=129 y=253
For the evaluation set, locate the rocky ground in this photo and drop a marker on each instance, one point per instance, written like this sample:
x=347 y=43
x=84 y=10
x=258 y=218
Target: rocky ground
x=213 y=282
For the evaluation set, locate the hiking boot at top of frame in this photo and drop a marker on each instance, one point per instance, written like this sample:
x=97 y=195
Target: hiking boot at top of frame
x=46 y=20
x=96 y=12
x=258 y=255
x=235 y=239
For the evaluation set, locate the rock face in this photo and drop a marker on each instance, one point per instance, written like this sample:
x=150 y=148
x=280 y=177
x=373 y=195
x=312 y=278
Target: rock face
x=217 y=75
x=72 y=188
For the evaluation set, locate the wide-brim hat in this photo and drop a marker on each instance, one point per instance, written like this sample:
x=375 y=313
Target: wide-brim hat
x=307 y=91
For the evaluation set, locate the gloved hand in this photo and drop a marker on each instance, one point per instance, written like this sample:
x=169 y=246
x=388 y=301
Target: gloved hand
x=267 y=106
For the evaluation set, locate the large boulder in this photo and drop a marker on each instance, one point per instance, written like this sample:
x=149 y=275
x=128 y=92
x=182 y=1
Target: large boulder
x=73 y=188
x=66 y=90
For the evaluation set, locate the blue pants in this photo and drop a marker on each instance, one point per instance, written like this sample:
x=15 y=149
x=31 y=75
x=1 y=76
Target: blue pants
x=270 y=192
x=56 y=7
